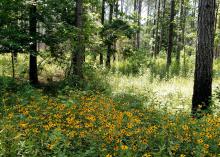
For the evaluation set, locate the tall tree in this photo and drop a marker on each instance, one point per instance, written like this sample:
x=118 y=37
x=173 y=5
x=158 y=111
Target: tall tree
x=116 y=10
x=171 y=33
x=157 y=38
x=102 y=21
x=162 y=30
x=154 y=26
x=194 y=7
x=182 y=30
x=33 y=76
x=204 y=56
x=139 y=24
x=109 y=48
x=135 y=21
x=122 y=6
x=78 y=54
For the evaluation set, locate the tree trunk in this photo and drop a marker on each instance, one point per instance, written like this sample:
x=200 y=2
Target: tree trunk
x=162 y=27
x=171 y=33
x=13 y=64
x=122 y=6
x=183 y=39
x=78 y=55
x=148 y=14
x=139 y=24
x=116 y=10
x=33 y=76
x=109 y=49
x=126 y=8
x=182 y=30
x=135 y=21
x=204 y=56
x=193 y=22
x=157 y=38
x=102 y=21
x=154 y=24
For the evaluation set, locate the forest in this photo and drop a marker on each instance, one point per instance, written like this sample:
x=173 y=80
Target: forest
x=110 y=78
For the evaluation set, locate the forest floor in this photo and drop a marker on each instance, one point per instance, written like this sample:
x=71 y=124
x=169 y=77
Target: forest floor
x=135 y=117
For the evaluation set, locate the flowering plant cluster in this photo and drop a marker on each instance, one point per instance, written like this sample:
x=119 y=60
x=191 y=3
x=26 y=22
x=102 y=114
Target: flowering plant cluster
x=97 y=126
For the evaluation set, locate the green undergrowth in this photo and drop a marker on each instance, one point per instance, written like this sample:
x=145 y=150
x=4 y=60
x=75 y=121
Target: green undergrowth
x=79 y=123
x=106 y=114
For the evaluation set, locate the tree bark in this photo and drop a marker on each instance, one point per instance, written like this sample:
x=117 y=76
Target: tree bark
x=157 y=38
x=171 y=33
x=135 y=21
x=122 y=6
x=148 y=13
x=193 y=22
x=109 y=49
x=102 y=21
x=182 y=30
x=33 y=76
x=13 y=65
x=162 y=27
x=139 y=24
x=204 y=56
x=116 y=10
x=78 y=55
x=154 y=24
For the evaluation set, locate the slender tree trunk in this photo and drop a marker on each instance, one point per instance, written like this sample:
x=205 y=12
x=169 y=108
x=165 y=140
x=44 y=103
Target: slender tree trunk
x=135 y=21
x=78 y=55
x=204 y=56
x=109 y=49
x=102 y=21
x=139 y=24
x=181 y=36
x=122 y=6
x=171 y=33
x=183 y=40
x=15 y=54
x=33 y=76
x=157 y=38
x=148 y=13
x=126 y=7
x=154 y=23
x=115 y=42
x=162 y=27
x=193 y=22
x=116 y=9
x=13 y=64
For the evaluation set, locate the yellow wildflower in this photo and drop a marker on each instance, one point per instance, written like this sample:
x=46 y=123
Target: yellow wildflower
x=206 y=146
x=124 y=147
x=200 y=141
x=147 y=155
x=23 y=125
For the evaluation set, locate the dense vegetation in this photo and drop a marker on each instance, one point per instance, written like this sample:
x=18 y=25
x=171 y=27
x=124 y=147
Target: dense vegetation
x=128 y=78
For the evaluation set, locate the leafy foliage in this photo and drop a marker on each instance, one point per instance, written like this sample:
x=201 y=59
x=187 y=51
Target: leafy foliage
x=118 y=28
x=78 y=124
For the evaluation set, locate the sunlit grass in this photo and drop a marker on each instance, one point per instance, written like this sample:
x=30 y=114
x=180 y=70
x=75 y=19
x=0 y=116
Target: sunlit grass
x=174 y=94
